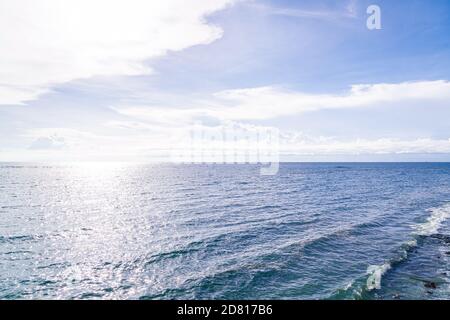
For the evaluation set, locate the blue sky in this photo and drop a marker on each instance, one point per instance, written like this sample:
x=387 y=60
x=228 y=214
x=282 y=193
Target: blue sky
x=84 y=83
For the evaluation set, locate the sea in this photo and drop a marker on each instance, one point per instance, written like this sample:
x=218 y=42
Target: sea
x=166 y=231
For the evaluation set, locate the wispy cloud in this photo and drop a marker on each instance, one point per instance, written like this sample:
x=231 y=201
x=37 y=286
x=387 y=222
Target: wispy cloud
x=270 y=102
x=48 y=143
x=298 y=144
x=348 y=11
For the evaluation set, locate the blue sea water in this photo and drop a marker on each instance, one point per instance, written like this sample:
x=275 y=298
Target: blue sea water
x=314 y=231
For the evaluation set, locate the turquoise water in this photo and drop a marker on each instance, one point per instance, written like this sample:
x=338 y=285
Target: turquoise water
x=314 y=231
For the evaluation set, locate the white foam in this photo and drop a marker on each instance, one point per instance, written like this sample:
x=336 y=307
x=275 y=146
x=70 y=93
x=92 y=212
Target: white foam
x=434 y=222
x=349 y=285
x=375 y=274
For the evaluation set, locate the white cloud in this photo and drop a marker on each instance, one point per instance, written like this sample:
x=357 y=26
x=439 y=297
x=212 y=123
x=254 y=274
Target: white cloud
x=15 y=94
x=271 y=102
x=298 y=144
x=48 y=42
x=67 y=144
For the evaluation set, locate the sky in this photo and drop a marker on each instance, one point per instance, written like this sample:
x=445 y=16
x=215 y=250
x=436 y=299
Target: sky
x=126 y=80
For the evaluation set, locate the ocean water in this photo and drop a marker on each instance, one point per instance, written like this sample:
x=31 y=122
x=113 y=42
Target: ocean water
x=314 y=231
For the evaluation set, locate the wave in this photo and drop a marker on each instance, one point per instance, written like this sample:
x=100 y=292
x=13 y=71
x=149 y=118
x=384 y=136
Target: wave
x=429 y=228
x=361 y=287
x=434 y=222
